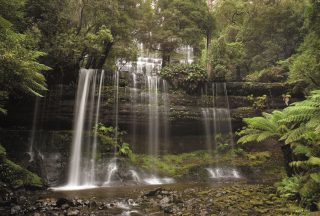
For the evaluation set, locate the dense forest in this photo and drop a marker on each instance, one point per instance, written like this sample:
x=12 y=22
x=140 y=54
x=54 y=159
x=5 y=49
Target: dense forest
x=217 y=101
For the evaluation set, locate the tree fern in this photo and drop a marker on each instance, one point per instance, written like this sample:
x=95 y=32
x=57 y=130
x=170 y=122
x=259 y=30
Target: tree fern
x=296 y=127
x=261 y=128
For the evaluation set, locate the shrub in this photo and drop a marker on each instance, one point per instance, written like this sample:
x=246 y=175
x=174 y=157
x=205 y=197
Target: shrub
x=186 y=77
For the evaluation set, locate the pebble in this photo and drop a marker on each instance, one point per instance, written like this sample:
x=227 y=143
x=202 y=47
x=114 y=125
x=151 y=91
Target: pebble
x=15 y=209
x=73 y=212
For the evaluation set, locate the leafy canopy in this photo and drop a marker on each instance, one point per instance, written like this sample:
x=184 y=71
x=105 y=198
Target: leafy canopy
x=20 y=71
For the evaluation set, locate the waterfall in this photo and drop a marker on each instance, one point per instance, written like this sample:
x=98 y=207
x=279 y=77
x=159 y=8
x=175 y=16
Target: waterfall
x=87 y=107
x=207 y=126
x=166 y=112
x=217 y=119
x=153 y=126
x=217 y=173
x=112 y=169
x=116 y=97
x=33 y=130
x=94 y=147
x=218 y=128
x=135 y=176
x=134 y=101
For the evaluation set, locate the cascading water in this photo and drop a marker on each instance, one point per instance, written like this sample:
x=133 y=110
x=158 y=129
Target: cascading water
x=112 y=168
x=87 y=107
x=85 y=77
x=95 y=141
x=154 y=94
x=134 y=101
x=166 y=112
x=33 y=131
x=153 y=126
x=135 y=176
x=218 y=128
x=217 y=173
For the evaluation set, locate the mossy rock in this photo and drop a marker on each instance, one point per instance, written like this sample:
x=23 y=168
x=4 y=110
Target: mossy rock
x=3 y=153
x=16 y=176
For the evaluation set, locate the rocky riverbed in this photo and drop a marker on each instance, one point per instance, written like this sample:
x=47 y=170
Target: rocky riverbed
x=176 y=199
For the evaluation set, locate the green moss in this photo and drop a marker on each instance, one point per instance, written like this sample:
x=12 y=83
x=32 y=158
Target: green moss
x=182 y=164
x=15 y=175
x=2 y=152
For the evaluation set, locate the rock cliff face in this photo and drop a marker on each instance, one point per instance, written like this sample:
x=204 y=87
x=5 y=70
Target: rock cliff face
x=182 y=111
x=179 y=112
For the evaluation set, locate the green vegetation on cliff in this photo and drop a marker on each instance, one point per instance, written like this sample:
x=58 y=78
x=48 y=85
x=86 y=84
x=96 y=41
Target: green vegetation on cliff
x=296 y=129
x=14 y=175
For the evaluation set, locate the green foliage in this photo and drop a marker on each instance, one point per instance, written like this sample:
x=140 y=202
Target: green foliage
x=174 y=23
x=125 y=150
x=3 y=153
x=92 y=34
x=298 y=127
x=272 y=74
x=305 y=65
x=20 y=71
x=253 y=36
x=289 y=187
x=258 y=103
x=261 y=128
x=178 y=165
x=186 y=77
x=15 y=175
x=223 y=143
x=225 y=58
x=111 y=141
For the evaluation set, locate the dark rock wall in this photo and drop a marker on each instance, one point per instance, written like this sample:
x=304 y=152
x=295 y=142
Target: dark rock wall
x=55 y=119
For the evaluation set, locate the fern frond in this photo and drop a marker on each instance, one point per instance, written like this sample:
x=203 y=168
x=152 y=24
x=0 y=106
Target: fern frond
x=315 y=177
x=265 y=135
x=314 y=161
x=248 y=138
x=295 y=135
x=302 y=149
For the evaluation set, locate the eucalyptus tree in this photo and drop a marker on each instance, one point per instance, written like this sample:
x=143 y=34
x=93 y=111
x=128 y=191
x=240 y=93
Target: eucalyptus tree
x=305 y=65
x=174 y=23
x=84 y=33
x=264 y=31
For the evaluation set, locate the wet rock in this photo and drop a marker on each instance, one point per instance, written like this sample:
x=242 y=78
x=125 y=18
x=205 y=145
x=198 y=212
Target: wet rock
x=63 y=201
x=65 y=206
x=154 y=192
x=22 y=200
x=164 y=201
x=73 y=212
x=15 y=210
x=115 y=211
x=135 y=214
x=92 y=204
x=168 y=209
x=79 y=202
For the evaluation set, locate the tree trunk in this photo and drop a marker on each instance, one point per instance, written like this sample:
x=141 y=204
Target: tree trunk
x=102 y=59
x=165 y=58
x=288 y=158
x=209 y=65
x=97 y=61
x=238 y=73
